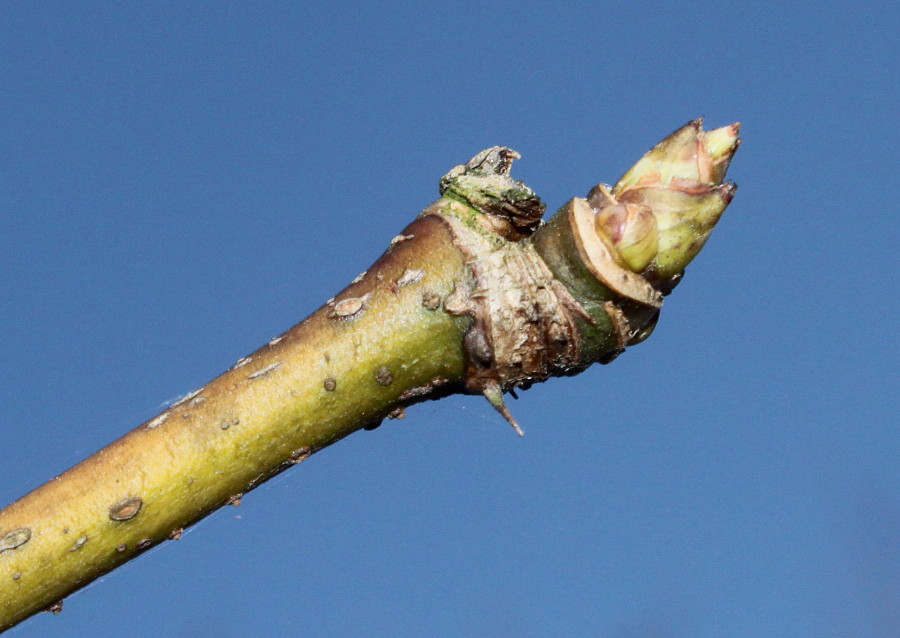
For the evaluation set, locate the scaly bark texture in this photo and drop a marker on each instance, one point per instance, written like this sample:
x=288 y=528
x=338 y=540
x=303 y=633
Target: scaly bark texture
x=476 y=295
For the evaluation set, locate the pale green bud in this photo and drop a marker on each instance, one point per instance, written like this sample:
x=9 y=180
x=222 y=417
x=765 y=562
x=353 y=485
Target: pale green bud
x=680 y=181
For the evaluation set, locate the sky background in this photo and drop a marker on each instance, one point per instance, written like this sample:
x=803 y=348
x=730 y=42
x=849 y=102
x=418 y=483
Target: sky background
x=179 y=182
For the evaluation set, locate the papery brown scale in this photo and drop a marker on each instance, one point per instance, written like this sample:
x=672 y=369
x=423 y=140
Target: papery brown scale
x=689 y=186
x=611 y=221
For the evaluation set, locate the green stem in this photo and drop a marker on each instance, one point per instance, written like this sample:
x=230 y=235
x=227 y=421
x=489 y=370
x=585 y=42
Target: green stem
x=474 y=296
x=383 y=343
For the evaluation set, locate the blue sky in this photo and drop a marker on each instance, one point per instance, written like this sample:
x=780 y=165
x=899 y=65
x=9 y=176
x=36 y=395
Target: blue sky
x=179 y=182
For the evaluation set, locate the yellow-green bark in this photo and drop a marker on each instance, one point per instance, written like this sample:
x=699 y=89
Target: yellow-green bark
x=333 y=373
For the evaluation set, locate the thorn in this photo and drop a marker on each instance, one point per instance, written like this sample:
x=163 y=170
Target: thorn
x=494 y=396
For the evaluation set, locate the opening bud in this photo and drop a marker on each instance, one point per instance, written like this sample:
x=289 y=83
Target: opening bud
x=680 y=181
